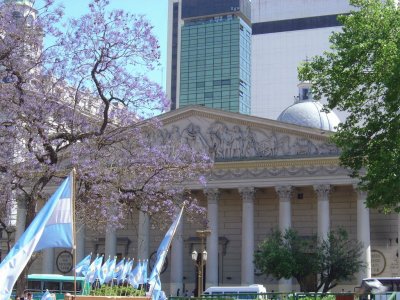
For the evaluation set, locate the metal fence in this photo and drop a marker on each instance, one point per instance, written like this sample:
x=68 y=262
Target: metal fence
x=295 y=296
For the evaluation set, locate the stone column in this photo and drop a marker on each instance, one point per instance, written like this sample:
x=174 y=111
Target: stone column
x=110 y=247
x=177 y=260
x=322 y=191
x=247 y=194
x=212 y=239
x=143 y=235
x=21 y=218
x=48 y=261
x=363 y=233
x=285 y=211
x=285 y=222
x=80 y=241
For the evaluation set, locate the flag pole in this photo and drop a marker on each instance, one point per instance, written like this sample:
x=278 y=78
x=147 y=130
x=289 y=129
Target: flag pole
x=73 y=195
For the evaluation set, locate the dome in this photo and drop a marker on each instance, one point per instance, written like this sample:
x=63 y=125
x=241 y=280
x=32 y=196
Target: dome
x=309 y=113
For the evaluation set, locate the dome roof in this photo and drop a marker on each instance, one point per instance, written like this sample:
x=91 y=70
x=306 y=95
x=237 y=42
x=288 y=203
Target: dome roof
x=309 y=113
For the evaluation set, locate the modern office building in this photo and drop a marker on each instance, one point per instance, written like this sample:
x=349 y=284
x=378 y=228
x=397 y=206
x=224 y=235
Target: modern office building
x=285 y=33
x=209 y=54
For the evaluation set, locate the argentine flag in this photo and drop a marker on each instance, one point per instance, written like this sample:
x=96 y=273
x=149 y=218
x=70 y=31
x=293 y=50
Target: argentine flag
x=138 y=274
x=83 y=266
x=51 y=228
x=154 y=280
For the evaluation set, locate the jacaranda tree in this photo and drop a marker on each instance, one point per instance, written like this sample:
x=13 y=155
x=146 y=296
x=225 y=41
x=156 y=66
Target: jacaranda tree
x=75 y=94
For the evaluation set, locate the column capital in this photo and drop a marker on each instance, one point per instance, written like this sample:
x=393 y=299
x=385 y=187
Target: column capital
x=284 y=192
x=212 y=195
x=322 y=191
x=360 y=193
x=247 y=194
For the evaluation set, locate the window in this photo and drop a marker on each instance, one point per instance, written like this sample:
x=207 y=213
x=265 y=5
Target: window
x=35 y=286
x=51 y=286
x=208 y=95
x=69 y=286
x=217 y=82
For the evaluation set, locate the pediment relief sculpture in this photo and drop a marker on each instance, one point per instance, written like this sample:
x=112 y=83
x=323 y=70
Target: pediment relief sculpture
x=231 y=141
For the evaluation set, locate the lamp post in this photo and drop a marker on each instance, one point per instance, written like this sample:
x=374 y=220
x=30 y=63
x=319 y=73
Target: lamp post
x=202 y=234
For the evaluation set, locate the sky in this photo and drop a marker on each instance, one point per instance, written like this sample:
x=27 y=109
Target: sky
x=156 y=12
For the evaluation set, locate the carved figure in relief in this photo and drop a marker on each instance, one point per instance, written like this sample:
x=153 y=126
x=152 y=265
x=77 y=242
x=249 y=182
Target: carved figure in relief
x=267 y=147
x=282 y=147
x=192 y=136
x=249 y=143
x=305 y=147
x=328 y=149
x=237 y=143
x=175 y=134
x=215 y=134
x=227 y=141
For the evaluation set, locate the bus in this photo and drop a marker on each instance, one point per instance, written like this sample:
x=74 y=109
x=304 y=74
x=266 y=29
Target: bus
x=378 y=288
x=254 y=291
x=57 y=284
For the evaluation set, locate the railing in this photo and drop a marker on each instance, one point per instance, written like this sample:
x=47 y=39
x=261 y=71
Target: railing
x=295 y=296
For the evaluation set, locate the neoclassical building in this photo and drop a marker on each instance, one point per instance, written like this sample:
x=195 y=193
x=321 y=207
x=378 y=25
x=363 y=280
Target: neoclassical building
x=267 y=174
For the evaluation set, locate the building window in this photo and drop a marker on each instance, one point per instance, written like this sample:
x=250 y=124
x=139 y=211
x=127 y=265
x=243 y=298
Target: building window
x=200 y=84
x=208 y=95
x=217 y=82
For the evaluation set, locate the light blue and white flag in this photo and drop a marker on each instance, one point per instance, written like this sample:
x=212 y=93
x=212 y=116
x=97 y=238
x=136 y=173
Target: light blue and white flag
x=127 y=269
x=111 y=267
x=94 y=270
x=154 y=279
x=156 y=293
x=138 y=274
x=164 y=246
x=51 y=228
x=119 y=268
x=83 y=266
x=47 y=296
x=104 y=271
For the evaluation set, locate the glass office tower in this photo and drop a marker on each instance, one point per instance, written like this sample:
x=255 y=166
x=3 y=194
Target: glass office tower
x=213 y=55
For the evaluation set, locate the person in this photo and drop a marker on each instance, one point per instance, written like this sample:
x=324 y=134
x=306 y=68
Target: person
x=29 y=296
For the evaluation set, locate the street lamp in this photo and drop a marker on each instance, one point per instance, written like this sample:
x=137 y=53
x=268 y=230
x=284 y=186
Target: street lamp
x=200 y=262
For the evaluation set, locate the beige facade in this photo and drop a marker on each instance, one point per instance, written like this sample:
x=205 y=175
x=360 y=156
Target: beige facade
x=267 y=175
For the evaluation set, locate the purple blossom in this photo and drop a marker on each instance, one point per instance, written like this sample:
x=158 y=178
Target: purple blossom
x=85 y=102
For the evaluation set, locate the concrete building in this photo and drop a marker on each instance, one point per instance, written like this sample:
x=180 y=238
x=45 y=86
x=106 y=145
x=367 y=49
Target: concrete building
x=285 y=33
x=267 y=174
x=209 y=54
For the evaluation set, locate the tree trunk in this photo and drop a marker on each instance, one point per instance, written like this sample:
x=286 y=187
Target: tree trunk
x=21 y=283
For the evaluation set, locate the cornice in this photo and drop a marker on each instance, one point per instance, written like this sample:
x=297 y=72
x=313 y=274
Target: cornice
x=278 y=163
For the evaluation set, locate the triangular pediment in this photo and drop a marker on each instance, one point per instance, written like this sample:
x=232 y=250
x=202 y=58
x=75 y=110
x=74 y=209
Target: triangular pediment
x=230 y=136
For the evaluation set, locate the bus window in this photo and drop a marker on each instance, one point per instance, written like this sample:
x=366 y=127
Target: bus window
x=69 y=287
x=51 y=286
x=35 y=286
x=247 y=295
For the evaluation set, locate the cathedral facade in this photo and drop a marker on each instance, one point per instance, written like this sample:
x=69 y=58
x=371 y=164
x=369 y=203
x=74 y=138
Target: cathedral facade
x=267 y=175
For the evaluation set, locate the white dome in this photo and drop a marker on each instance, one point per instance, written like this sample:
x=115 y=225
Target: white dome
x=310 y=114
